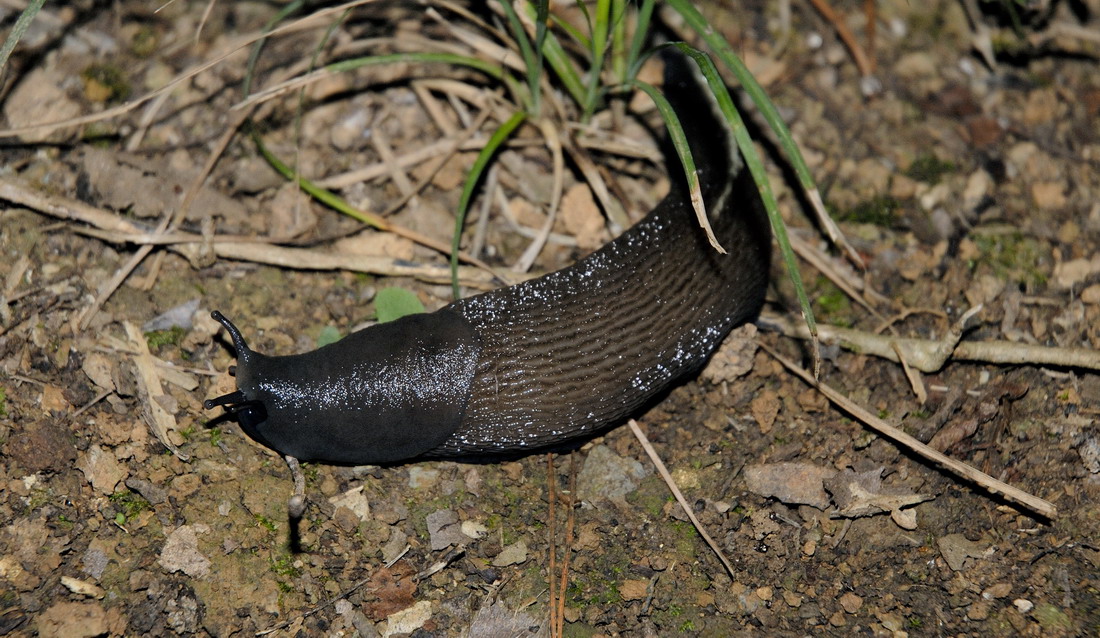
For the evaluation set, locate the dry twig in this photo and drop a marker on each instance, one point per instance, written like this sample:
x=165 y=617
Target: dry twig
x=1030 y=502
x=663 y=471
x=928 y=355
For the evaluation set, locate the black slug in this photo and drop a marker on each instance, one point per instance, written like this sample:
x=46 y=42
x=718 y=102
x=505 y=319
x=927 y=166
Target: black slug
x=539 y=363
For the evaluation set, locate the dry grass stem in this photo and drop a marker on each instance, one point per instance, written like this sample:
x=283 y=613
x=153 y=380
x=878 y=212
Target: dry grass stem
x=927 y=355
x=194 y=247
x=1030 y=502
x=306 y=22
x=554 y=144
x=663 y=471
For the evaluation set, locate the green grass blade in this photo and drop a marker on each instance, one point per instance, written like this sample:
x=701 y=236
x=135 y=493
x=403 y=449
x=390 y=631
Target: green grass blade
x=755 y=92
x=601 y=27
x=326 y=197
x=254 y=56
x=683 y=150
x=559 y=61
x=582 y=39
x=532 y=56
x=645 y=12
x=756 y=167
x=499 y=136
x=17 y=31
x=493 y=70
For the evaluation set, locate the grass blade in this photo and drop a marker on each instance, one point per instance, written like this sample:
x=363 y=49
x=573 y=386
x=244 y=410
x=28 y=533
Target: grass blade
x=683 y=150
x=756 y=167
x=499 y=137
x=17 y=31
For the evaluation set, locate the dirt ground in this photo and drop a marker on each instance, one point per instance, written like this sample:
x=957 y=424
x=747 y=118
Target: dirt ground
x=961 y=184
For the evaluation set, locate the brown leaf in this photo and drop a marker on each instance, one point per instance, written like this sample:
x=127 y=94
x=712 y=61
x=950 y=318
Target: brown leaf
x=393 y=589
x=862 y=494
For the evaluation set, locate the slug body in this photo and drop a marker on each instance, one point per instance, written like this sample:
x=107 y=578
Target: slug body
x=539 y=363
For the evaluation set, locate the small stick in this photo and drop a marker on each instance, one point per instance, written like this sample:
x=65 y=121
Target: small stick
x=551 y=481
x=663 y=471
x=1033 y=503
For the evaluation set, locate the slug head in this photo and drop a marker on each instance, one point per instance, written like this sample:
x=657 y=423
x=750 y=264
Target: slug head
x=387 y=393
x=250 y=413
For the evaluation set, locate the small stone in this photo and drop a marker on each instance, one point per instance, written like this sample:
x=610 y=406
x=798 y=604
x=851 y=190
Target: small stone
x=838 y=619
x=1049 y=195
x=608 y=476
x=1024 y=605
x=1000 y=590
x=978 y=186
x=634 y=589
x=181 y=552
x=851 y=602
x=513 y=554
x=82 y=587
x=422 y=477
x=1091 y=295
x=346 y=519
x=978 y=611
x=73 y=620
x=101 y=469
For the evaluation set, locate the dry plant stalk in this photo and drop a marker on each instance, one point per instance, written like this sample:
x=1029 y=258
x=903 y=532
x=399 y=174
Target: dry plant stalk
x=1030 y=502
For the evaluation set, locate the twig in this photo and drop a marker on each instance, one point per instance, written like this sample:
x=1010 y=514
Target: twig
x=296 y=506
x=863 y=62
x=663 y=471
x=553 y=142
x=1028 y=501
x=929 y=356
x=552 y=603
x=191 y=246
x=567 y=548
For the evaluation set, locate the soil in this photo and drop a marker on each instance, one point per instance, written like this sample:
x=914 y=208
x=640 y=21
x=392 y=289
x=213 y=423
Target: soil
x=127 y=509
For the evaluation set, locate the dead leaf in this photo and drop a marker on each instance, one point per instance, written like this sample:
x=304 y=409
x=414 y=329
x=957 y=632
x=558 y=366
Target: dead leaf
x=861 y=494
x=393 y=589
x=734 y=359
x=148 y=188
x=582 y=217
x=956 y=548
x=634 y=589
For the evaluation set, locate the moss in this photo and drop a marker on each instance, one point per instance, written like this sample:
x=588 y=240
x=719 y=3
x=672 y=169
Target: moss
x=266 y=523
x=930 y=169
x=144 y=42
x=686 y=539
x=881 y=210
x=170 y=337
x=650 y=496
x=129 y=505
x=1051 y=619
x=1012 y=257
x=832 y=305
x=105 y=83
x=3 y=402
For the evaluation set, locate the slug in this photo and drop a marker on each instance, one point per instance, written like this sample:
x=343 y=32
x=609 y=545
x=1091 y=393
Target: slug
x=540 y=363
